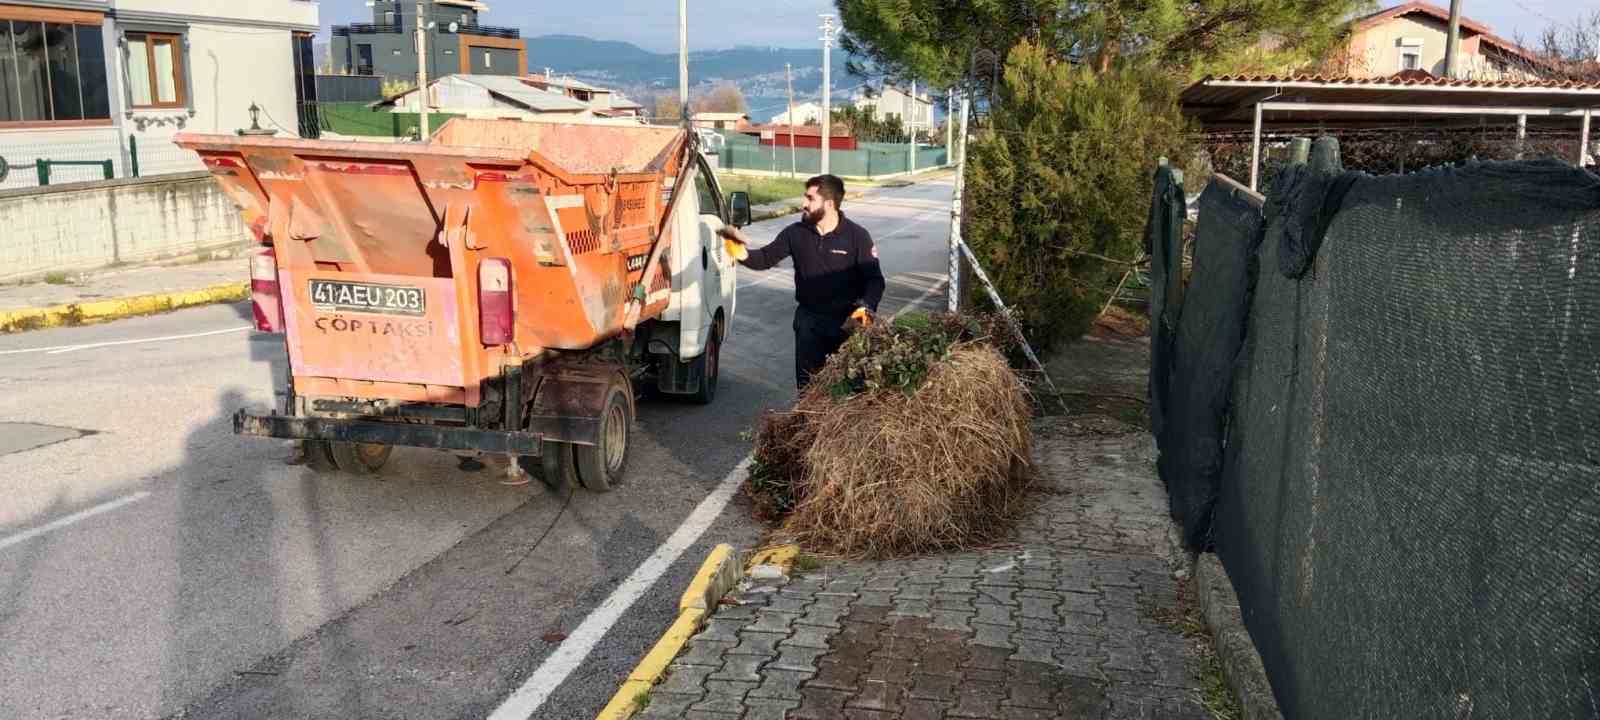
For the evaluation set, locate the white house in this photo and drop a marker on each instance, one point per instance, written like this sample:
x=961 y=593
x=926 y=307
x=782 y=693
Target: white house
x=804 y=113
x=914 y=113
x=91 y=80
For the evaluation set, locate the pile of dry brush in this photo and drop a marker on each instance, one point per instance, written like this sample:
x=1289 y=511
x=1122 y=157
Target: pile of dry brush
x=913 y=438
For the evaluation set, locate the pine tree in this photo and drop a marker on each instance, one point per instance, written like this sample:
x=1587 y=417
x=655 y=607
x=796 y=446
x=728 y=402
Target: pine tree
x=1059 y=185
x=935 y=39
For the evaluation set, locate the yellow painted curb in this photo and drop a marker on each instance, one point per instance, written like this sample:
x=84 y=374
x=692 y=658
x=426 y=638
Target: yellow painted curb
x=781 y=555
x=718 y=574
x=12 y=321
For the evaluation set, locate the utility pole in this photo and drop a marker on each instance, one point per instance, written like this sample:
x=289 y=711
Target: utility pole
x=683 y=61
x=1452 y=48
x=789 y=78
x=422 y=72
x=912 y=134
x=827 y=90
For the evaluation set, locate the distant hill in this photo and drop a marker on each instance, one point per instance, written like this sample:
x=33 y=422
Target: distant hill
x=643 y=74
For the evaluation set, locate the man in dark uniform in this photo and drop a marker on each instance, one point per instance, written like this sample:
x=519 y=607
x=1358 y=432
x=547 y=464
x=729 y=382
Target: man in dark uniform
x=837 y=281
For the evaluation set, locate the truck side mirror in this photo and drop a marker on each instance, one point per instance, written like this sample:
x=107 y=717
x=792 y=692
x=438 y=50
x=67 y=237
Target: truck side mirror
x=739 y=208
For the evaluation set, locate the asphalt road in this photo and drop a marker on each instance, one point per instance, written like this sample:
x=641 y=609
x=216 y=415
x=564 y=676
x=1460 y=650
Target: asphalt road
x=153 y=564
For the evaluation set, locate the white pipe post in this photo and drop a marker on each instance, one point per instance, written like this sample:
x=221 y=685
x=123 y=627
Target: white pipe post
x=1583 y=140
x=1255 y=154
x=953 y=289
x=1522 y=134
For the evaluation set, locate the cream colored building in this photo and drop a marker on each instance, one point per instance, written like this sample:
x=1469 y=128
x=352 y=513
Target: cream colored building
x=1412 y=36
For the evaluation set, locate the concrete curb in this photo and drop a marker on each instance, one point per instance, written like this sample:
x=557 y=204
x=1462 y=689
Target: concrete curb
x=13 y=321
x=1219 y=606
x=718 y=574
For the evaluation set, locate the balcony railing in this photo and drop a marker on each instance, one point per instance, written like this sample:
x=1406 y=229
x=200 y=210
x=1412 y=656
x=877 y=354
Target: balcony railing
x=485 y=30
x=481 y=30
x=365 y=29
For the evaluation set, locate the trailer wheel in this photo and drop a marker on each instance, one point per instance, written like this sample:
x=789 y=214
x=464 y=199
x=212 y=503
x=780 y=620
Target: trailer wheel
x=359 y=458
x=602 y=465
x=554 y=466
x=710 y=366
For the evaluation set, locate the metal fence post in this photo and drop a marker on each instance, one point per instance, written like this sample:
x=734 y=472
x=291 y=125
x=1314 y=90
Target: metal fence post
x=110 y=170
x=43 y=167
x=133 y=153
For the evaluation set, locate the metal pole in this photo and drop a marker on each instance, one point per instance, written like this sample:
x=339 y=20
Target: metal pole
x=133 y=153
x=683 y=61
x=789 y=78
x=422 y=73
x=827 y=90
x=953 y=290
x=1583 y=140
x=912 y=165
x=1255 y=154
x=1452 y=47
x=950 y=128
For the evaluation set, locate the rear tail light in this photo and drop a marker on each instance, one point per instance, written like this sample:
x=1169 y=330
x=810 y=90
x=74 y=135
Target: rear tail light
x=264 y=296
x=497 y=318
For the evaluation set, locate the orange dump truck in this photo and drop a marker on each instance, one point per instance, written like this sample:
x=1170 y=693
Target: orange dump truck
x=503 y=289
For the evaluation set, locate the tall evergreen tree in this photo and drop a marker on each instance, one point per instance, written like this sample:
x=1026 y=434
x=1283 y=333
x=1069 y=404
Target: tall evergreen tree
x=1059 y=185
x=935 y=39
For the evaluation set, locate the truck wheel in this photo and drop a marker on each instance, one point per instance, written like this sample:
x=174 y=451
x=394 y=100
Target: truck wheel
x=359 y=458
x=709 y=365
x=602 y=465
x=553 y=466
x=318 y=455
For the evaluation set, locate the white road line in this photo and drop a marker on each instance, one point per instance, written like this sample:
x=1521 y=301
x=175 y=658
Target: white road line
x=58 y=349
x=914 y=303
x=27 y=535
x=554 y=670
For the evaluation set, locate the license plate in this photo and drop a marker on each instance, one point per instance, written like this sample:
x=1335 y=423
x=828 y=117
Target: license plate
x=338 y=295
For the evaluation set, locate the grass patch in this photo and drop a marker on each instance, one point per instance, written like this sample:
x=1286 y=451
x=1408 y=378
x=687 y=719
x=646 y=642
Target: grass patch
x=1214 y=693
x=764 y=190
x=804 y=563
x=56 y=277
x=641 y=700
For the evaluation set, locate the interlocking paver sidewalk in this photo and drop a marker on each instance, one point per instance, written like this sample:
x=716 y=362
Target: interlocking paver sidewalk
x=1057 y=624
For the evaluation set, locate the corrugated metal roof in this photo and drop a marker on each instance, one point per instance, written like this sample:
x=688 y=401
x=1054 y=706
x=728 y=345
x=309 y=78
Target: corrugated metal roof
x=516 y=91
x=1406 y=80
x=1229 y=100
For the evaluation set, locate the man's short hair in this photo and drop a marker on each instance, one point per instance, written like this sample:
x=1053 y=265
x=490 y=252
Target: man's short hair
x=830 y=187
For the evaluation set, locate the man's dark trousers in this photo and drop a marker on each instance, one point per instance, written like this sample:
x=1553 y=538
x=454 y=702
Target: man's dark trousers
x=816 y=336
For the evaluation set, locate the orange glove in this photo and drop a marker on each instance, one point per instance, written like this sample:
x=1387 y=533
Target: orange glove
x=863 y=316
x=733 y=243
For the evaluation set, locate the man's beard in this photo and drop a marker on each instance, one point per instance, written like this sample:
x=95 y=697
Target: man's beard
x=814 y=217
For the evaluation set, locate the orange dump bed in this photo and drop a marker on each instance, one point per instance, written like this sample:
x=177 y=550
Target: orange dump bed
x=379 y=248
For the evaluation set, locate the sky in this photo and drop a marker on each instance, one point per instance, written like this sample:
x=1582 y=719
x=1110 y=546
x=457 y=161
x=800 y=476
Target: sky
x=719 y=24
